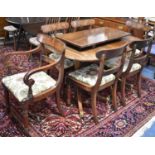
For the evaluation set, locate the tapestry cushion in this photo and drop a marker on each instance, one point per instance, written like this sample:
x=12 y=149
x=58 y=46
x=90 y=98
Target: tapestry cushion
x=10 y=28
x=88 y=75
x=34 y=41
x=57 y=34
x=111 y=63
x=135 y=66
x=67 y=63
x=19 y=89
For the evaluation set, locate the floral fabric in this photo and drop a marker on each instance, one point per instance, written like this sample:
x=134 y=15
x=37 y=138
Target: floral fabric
x=19 y=89
x=88 y=75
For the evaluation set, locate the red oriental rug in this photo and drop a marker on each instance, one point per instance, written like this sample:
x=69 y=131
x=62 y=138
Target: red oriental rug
x=122 y=123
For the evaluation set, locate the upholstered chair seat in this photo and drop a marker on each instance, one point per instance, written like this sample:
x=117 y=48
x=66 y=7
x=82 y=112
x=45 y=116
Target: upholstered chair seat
x=19 y=89
x=116 y=61
x=34 y=41
x=88 y=75
x=10 y=28
x=67 y=63
x=55 y=56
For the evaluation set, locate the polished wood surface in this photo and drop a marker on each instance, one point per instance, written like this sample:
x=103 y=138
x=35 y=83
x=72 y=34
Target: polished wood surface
x=90 y=54
x=82 y=24
x=87 y=38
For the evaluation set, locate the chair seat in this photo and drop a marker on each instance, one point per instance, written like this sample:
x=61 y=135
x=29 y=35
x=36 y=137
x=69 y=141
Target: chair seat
x=116 y=61
x=88 y=75
x=57 y=34
x=10 y=28
x=135 y=66
x=34 y=41
x=67 y=63
x=19 y=89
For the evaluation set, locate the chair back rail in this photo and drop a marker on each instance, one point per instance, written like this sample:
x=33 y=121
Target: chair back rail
x=69 y=20
x=78 y=24
x=53 y=28
x=51 y=20
x=145 y=48
x=60 y=47
x=107 y=54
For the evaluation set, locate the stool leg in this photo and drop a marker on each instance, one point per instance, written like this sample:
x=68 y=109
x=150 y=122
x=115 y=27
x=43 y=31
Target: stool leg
x=5 y=38
x=14 y=41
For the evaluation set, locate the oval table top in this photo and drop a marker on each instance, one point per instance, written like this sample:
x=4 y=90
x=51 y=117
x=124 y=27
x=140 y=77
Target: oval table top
x=90 y=54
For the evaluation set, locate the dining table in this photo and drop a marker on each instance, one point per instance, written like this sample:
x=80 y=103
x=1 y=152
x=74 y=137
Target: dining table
x=30 y=25
x=82 y=46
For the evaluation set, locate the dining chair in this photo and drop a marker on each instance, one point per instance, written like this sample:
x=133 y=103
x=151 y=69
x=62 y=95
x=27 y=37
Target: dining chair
x=69 y=20
x=52 y=20
x=33 y=86
x=49 y=20
x=136 y=28
x=53 y=30
x=135 y=64
x=94 y=78
x=136 y=59
x=82 y=24
x=148 y=34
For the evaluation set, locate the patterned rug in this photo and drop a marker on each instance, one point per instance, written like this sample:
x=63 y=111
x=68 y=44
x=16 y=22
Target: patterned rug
x=125 y=122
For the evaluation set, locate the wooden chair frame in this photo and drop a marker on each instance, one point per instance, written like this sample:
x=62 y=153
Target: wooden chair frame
x=20 y=111
x=102 y=56
x=141 y=58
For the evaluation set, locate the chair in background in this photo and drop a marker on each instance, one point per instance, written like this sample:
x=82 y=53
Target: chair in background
x=95 y=78
x=134 y=65
x=36 y=84
x=10 y=30
x=52 y=20
x=53 y=30
x=151 y=33
x=49 y=20
x=69 y=20
x=82 y=24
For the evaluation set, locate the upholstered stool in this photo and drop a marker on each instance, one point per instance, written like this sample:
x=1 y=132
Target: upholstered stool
x=13 y=30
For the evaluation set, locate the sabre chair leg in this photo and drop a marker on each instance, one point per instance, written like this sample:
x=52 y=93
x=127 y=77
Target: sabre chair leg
x=69 y=95
x=25 y=115
x=80 y=106
x=59 y=103
x=139 y=85
x=123 y=91
x=14 y=41
x=93 y=104
x=6 y=94
x=5 y=37
x=114 y=97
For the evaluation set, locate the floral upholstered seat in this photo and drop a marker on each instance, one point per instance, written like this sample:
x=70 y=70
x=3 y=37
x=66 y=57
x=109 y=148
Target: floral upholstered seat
x=88 y=75
x=116 y=61
x=135 y=66
x=19 y=89
x=34 y=41
x=55 y=56
x=67 y=63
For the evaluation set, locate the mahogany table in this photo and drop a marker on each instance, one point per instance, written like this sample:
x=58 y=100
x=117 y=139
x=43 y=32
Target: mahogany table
x=95 y=36
x=78 y=41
